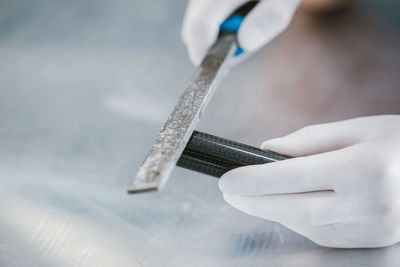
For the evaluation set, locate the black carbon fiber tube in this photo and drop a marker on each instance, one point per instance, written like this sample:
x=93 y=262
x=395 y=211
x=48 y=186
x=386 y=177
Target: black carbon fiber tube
x=214 y=155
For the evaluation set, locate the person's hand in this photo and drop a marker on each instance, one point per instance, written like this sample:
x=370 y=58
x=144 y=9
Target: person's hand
x=203 y=18
x=341 y=190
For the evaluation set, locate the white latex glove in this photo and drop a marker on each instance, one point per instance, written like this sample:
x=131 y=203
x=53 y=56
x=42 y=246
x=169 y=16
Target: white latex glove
x=203 y=18
x=342 y=190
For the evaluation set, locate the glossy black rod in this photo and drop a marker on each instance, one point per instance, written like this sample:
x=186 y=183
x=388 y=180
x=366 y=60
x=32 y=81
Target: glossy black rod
x=214 y=155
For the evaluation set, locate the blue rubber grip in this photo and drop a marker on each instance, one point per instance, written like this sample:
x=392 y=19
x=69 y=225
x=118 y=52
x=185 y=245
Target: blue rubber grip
x=233 y=24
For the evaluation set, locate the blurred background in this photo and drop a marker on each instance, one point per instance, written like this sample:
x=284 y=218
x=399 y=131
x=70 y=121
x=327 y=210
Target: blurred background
x=85 y=87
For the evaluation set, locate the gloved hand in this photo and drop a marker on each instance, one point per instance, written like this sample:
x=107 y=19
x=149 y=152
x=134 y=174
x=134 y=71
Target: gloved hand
x=203 y=18
x=342 y=190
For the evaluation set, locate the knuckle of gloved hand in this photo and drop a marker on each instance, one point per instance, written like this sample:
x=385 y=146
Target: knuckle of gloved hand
x=383 y=207
x=370 y=165
x=387 y=206
x=391 y=171
x=386 y=181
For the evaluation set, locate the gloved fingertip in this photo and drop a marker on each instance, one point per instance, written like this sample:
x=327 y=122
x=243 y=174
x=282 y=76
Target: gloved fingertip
x=232 y=199
x=226 y=197
x=224 y=183
x=272 y=144
x=196 y=62
x=228 y=182
x=195 y=58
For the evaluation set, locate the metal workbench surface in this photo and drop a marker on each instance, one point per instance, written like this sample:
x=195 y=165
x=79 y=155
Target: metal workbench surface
x=85 y=87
